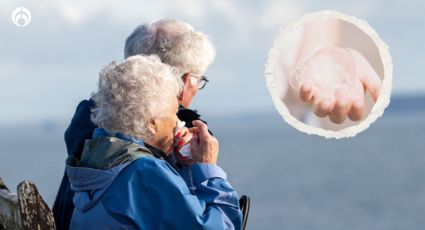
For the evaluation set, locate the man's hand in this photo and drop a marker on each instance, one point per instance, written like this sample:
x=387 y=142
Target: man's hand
x=204 y=147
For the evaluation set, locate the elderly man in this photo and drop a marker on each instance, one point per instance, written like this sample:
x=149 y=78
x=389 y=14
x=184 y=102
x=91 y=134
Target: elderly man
x=178 y=45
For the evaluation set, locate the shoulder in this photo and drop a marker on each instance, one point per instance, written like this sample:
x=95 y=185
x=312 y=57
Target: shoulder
x=86 y=103
x=84 y=107
x=149 y=167
x=80 y=128
x=83 y=110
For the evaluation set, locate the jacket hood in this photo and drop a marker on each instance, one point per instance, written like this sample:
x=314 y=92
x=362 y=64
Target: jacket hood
x=102 y=160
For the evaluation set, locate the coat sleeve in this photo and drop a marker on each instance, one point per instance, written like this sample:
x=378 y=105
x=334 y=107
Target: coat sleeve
x=165 y=201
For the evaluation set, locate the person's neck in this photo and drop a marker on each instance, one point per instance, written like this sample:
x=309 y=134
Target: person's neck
x=184 y=105
x=152 y=146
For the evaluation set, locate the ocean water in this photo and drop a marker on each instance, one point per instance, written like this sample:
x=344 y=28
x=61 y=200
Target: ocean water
x=296 y=181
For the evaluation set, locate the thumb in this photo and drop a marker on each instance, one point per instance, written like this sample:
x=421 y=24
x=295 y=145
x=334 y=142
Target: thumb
x=193 y=130
x=202 y=129
x=372 y=83
x=367 y=75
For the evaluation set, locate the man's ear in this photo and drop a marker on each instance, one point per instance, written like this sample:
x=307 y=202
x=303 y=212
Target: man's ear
x=185 y=79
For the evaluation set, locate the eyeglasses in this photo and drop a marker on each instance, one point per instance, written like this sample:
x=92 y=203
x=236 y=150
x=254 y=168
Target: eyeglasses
x=202 y=80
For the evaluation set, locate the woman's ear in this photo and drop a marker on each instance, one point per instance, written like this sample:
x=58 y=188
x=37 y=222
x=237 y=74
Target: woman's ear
x=152 y=126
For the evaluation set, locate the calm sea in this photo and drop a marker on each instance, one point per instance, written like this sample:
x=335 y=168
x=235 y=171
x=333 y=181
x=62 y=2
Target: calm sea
x=296 y=181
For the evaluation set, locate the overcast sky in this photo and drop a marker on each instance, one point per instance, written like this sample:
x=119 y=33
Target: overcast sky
x=47 y=67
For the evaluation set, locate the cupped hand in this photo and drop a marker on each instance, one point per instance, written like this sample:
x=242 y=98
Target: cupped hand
x=334 y=80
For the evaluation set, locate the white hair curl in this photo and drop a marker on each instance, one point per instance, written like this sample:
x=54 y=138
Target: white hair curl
x=175 y=42
x=132 y=93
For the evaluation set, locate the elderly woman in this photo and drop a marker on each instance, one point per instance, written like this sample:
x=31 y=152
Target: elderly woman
x=177 y=44
x=120 y=184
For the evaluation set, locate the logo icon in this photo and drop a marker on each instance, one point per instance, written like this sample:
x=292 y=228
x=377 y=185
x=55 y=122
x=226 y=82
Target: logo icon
x=21 y=17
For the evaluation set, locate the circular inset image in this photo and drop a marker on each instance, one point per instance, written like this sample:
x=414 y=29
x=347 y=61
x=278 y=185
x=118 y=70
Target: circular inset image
x=329 y=74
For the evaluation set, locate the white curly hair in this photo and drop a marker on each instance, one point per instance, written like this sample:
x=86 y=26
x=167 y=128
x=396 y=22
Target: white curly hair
x=133 y=92
x=175 y=42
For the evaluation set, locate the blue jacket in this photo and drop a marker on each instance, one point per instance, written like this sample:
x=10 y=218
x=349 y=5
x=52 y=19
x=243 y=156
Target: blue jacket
x=80 y=129
x=119 y=184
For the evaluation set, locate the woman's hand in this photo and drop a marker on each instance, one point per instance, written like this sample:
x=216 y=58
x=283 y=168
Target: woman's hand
x=343 y=101
x=182 y=137
x=204 y=147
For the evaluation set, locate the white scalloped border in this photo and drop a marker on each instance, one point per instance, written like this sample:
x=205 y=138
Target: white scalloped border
x=380 y=105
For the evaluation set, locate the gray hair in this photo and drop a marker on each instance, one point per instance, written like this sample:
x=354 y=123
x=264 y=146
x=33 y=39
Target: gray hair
x=175 y=42
x=132 y=93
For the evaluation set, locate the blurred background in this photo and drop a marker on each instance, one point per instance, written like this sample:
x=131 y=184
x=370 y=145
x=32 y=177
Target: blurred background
x=296 y=181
